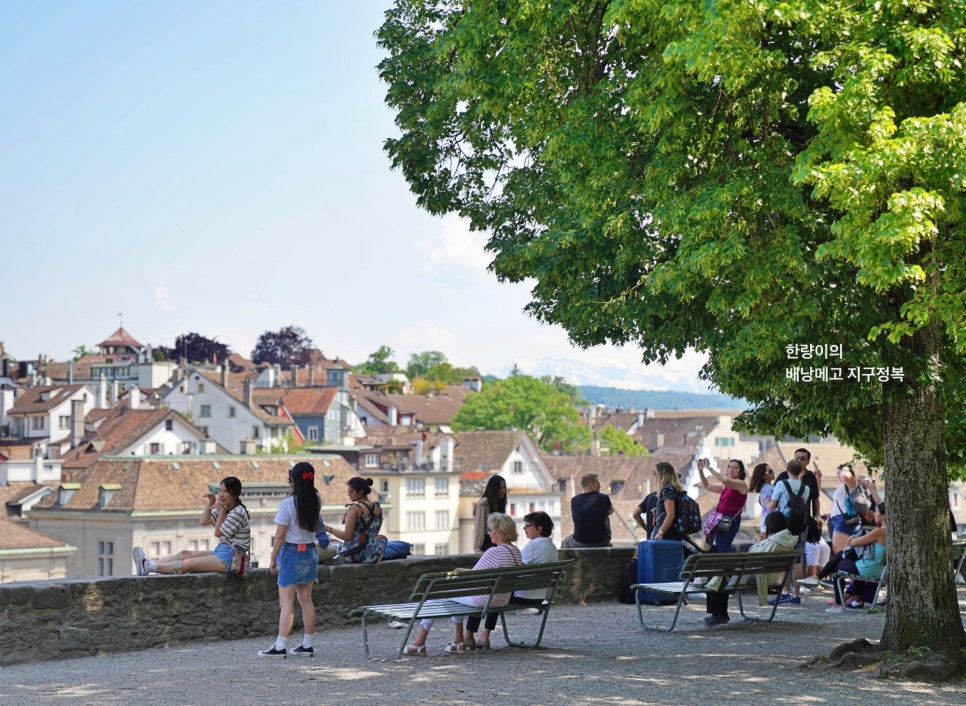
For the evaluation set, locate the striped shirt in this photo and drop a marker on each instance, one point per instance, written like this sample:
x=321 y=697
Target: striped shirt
x=236 y=531
x=497 y=558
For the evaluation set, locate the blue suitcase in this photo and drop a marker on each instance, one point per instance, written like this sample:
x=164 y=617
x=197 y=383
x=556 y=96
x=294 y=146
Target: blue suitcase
x=659 y=561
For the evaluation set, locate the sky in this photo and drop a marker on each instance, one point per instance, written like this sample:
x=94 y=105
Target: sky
x=216 y=167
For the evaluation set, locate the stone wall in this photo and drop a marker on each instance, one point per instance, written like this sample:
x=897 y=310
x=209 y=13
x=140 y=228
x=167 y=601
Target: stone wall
x=47 y=620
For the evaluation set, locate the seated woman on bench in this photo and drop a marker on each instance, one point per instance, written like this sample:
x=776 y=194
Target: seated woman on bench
x=539 y=550
x=503 y=532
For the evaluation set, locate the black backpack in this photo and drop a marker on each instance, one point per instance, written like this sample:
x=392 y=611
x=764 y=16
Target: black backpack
x=628 y=578
x=797 y=509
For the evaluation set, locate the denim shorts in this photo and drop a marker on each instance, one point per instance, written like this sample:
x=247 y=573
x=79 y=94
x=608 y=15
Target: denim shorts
x=838 y=525
x=224 y=552
x=295 y=567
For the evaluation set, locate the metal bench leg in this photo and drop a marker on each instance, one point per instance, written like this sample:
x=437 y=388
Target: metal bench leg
x=365 y=636
x=674 y=620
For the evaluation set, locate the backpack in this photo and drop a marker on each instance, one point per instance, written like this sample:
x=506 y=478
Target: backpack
x=797 y=509
x=687 y=514
x=628 y=579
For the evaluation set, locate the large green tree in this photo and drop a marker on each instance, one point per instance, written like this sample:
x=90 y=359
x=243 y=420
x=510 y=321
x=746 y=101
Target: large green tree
x=528 y=404
x=734 y=177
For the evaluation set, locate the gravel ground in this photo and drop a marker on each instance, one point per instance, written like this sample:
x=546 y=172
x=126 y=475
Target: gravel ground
x=591 y=654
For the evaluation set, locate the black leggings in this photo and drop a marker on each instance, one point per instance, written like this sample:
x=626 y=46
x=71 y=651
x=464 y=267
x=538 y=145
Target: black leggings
x=473 y=621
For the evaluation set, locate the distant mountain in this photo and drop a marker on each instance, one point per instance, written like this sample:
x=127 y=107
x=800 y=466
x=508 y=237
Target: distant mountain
x=615 y=398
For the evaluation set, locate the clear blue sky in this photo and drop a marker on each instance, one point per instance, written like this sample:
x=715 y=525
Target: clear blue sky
x=216 y=167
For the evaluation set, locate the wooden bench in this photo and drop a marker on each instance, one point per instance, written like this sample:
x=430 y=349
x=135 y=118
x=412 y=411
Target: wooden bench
x=731 y=570
x=433 y=597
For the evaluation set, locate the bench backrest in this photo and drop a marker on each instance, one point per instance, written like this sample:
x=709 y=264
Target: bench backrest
x=737 y=565
x=455 y=584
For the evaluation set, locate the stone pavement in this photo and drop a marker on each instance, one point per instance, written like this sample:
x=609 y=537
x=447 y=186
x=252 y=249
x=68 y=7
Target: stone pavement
x=591 y=654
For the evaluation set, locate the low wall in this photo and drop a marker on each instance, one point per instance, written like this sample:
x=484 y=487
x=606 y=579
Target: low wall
x=47 y=620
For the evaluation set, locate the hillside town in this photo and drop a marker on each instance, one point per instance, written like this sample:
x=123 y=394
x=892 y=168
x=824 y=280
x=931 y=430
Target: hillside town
x=116 y=448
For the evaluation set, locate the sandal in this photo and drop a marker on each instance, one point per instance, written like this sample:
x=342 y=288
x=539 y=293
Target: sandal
x=471 y=644
x=483 y=644
x=455 y=647
x=419 y=650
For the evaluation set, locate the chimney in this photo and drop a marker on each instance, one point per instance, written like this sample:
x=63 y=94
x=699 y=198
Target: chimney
x=115 y=391
x=247 y=393
x=135 y=399
x=247 y=447
x=224 y=375
x=206 y=446
x=658 y=440
x=295 y=376
x=70 y=372
x=277 y=375
x=76 y=422
x=102 y=393
x=393 y=415
x=311 y=375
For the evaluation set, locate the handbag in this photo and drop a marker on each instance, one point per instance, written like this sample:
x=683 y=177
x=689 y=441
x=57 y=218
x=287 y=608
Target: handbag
x=322 y=537
x=239 y=562
x=711 y=523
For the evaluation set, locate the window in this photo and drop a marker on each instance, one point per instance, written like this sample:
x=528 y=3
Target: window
x=205 y=410
x=442 y=549
x=416 y=522
x=231 y=412
x=198 y=545
x=518 y=466
x=36 y=423
x=64 y=422
x=169 y=425
x=313 y=433
x=204 y=431
x=201 y=387
x=371 y=460
x=105 y=558
x=156 y=449
x=384 y=485
x=418 y=549
x=254 y=432
x=415 y=487
x=442 y=519
x=442 y=487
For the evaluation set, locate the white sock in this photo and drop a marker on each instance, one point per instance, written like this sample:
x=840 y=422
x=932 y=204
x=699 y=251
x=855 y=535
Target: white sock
x=307 y=640
x=280 y=642
x=150 y=566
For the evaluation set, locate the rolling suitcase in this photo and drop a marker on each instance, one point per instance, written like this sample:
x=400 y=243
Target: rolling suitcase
x=659 y=561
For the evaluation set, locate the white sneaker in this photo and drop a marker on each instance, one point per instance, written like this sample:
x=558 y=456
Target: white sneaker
x=532 y=611
x=140 y=561
x=395 y=625
x=835 y=610
x=811 y=581
x=803 y=590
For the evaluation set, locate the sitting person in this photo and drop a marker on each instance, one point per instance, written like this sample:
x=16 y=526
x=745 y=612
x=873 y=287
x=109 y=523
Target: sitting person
x=870 y=563
x=591 y=512
x=232 y=528
x=360 y=536
x=817 y=550
x=539 y=550
x=503 y=532
x=777 y=539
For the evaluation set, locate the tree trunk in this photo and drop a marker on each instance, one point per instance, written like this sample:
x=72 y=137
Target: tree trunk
x=923 y=610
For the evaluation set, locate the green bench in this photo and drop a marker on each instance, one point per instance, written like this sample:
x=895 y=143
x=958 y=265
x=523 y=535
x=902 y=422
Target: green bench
x=433 y=597
x=730 y=571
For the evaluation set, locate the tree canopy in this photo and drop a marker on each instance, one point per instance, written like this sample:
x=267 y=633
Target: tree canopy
x=379 y=362
x=527 y=404
x=288 y=346
x=614 y=442
x=744 y=179
x=195 y=348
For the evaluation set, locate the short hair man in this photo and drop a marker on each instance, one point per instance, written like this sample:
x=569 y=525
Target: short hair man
x=794 y=476
x=812 y=480
x=591 y=512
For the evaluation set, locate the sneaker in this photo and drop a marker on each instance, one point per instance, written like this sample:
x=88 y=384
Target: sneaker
x=783 y=598
x=532 y=611
x=140 y=561
x=811 y=582
x=301 y=651
x=802 y=590
x=835 y=609
x=713 y=620
x=273 y=653
x=395 y=625
x=855 y=605
x=825 y=583
x=793 y=600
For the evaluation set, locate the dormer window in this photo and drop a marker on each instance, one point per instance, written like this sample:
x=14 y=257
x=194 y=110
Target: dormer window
x=66 y=492
x=106 y=492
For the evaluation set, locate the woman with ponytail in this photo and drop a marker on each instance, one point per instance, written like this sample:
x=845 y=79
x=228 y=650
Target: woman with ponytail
x=295 y=560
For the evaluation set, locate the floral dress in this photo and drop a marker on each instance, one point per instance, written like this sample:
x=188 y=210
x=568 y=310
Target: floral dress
x=365 y=547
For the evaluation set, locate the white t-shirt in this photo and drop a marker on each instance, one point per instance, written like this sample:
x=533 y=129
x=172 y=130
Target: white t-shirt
x=286 y=516
x=539 y=550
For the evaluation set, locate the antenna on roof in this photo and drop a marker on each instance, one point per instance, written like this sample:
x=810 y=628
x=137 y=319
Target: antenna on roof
x=120 y=318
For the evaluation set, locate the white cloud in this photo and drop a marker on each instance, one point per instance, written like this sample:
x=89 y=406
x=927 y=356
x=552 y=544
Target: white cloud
x=454 y=248
x=162 y=298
